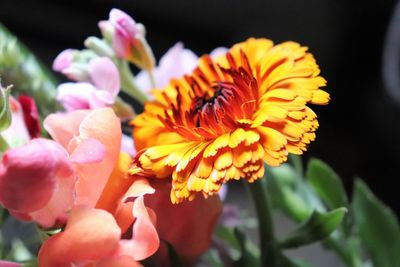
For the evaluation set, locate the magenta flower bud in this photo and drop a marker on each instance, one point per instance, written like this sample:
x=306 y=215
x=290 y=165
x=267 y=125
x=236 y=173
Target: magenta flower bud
x=128 y=39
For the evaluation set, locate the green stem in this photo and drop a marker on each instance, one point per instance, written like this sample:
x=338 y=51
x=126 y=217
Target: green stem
x=128 y=83
x=152 y=80
x=266 y=227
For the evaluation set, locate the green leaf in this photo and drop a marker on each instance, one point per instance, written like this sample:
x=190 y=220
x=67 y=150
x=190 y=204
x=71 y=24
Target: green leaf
x=316 y=228
x=248 y=256
x=288 y=193
x=326 y=183
x=283 y=261
x=377 y=226
x=5 y=112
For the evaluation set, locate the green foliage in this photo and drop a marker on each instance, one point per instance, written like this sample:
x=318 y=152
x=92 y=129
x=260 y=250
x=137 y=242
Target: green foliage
x=5 y=113
x=326 y=183
x=248 y=257
x=368 y=226
x=19 y=67
x=316 y=228
x=377 y=227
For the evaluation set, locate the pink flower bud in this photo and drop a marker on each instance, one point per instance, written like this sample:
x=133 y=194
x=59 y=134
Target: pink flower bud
x=64 y=60
x=128 y=39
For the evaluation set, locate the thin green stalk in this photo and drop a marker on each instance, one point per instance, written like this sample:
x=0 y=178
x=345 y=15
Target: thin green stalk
x=266 y=227
x=152 y=80
x=128 y=83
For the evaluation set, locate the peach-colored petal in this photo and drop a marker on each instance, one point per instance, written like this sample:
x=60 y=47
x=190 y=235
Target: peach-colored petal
x=29 y=174
x=103 y=125
x=90 y=235
x=89 y=151
x=188 y=227
x=145 y=241
x=63 y=126
x=117 y=184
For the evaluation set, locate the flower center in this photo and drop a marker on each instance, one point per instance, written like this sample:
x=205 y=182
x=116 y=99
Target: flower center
x=212 y=106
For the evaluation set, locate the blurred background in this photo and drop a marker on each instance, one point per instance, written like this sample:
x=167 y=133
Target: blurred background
x=358 y=130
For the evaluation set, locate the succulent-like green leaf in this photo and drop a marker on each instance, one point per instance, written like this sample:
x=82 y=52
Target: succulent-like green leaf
x=326 y=183
x=377 y=227
x=316 y=228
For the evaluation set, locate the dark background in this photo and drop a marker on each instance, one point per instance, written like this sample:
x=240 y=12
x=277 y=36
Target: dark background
x=359 y=128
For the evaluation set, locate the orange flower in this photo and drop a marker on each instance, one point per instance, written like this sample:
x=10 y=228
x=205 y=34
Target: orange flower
x=230 y=116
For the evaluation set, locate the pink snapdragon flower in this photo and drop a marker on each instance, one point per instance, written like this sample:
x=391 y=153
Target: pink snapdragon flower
x=100 y=90
x=175 y=63
x=128 y=39
x=82 y=179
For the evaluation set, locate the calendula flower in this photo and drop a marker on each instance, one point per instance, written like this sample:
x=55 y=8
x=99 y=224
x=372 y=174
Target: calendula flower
x=228 y=117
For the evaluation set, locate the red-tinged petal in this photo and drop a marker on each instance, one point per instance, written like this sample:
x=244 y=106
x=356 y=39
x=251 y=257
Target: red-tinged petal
x=89 y=151
x=63 y=126
x=31 y=115
x=124 y=261
x=145 y=241
x=29 y=174
x=103 y=125
x=105 y=75
x=90 y=235
x=188 y=227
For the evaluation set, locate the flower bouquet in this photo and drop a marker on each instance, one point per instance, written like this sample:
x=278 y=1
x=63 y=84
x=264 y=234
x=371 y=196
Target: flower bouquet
x=129 y=163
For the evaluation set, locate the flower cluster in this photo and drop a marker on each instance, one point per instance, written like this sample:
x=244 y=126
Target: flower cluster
x=210 y=120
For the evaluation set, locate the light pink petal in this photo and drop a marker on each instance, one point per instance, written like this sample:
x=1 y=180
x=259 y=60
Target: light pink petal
x=63 y=126
x=64 y=59
x=176 y=62
x=105 y=75
x=75 y=96
x=124 y=22
x=103 y=125
x=145 y=241
x=89 y=151
x=219 y=51
x=127 y=145
x=101 y=99
x=28 y=174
